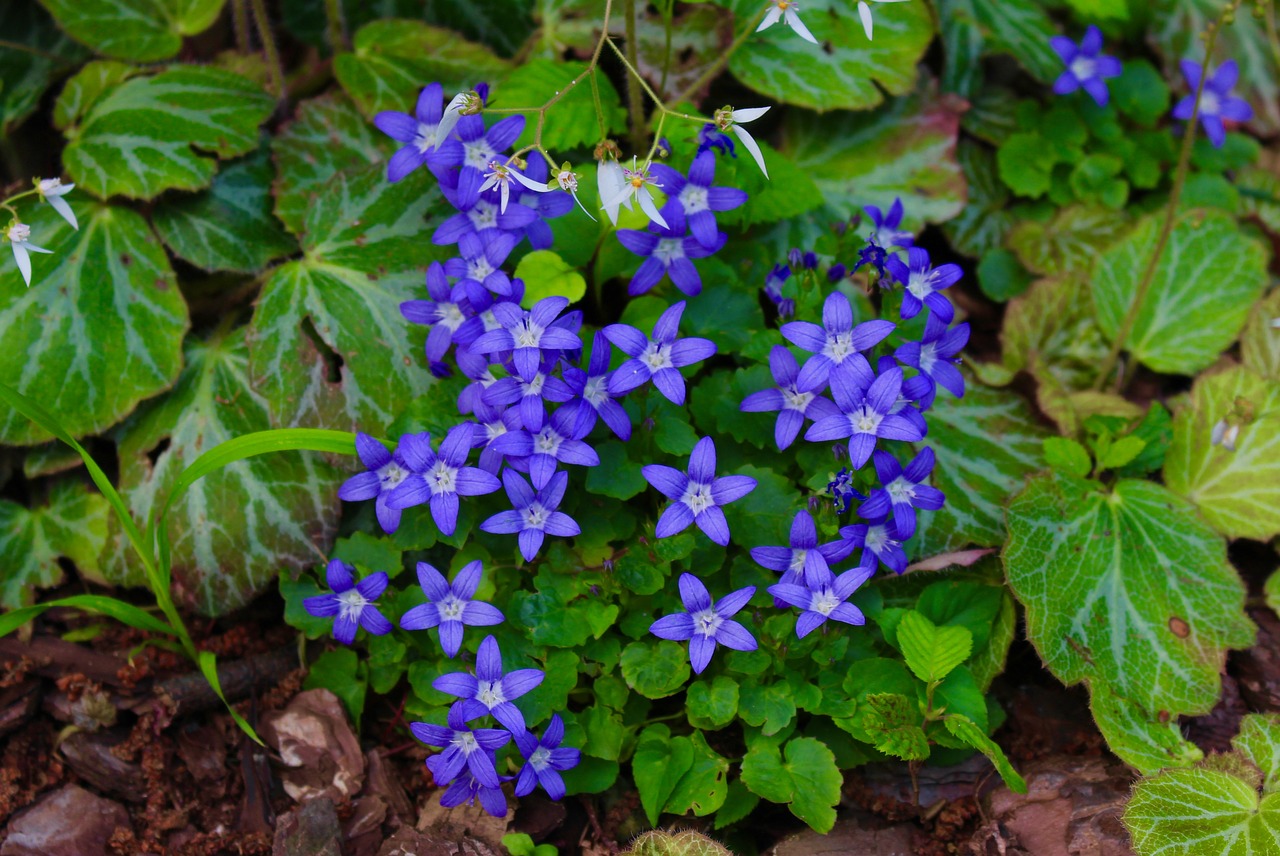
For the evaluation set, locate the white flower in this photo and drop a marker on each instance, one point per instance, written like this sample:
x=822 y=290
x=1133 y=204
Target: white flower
x=1275 y=323
x=864 y=12
x=610 y=181
x=635 y=183
x=728 y=119
x=1224 y=434
x=52 y=190
x=786 y=10
x=18 y=235
x=500 y=176
x=568 y=180
x=463 y=102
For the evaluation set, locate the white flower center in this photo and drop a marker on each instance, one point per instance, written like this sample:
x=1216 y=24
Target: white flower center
x=489 y=694
x=694 y=199
x=901 y=491
x=839 y=346
x=657 y=356
x=668 y=250
x=824 y=602
x=540 y=759
x=451 y=608
x=794 y=399
x=928 y=357
x=1209 y=103
x=426 y=137
x=528 y=334
x=698 y=497
x=568 y=181
x=465 y=741
x=49 y=185
x=494 y=430
x=19 y=232
x=442 y=478
x=878 y=538
x=489 y=320
x=449 y=316
x=548 y=441
x=484 y=215
x=865 y=420
x=391 y=475
x=921 y=283
x=534 y=387
x=535 y=516
x=479 y=268
x=351 y=604
x=707 y=622
x=797 y=560
x=596 y=391
x=477 y=154
x=1083 y=68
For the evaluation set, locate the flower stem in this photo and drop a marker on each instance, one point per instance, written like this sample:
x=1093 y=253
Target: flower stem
x=635 y=106
x=337 y=26
x=274 y=67
x=720 y=61
x=240 y=23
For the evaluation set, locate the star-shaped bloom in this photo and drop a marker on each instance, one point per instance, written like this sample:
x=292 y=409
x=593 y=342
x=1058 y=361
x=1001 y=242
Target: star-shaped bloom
x=934 y=357
x=698 y=496
x=694 y=200
x=52 y=190
x=705 y=624
x=658 y=359
x=825 y=600
x=833 y=344
x=1216 y=101
x=351 y=603
x=467 y=789
x=476 y=369
x=479 y=267
x=384 y=473
x=490 y=691
x=866 y=403
x=785 y=10
x=483 y=219
x=728 y=119
x=793 y=405
x=864 y=12
x=501 y=176
x=444 y=313
x=568 y=181
x=887 y=232
x=880 y=542
x=545 y=759
x=464 y=748
x=480 y=148
x=902 y=491
x=591 y=399
x=1087 y=66
x=534 y=515
x=498 y=435
x=19 y=237
x=635 y=183
x=439 y=479
x=449 y=607
x=555 y=444
x=805 y=562
x=425 y=135
x=528 y=334
x=666 y=252
x=923 y=282
x=529 y=395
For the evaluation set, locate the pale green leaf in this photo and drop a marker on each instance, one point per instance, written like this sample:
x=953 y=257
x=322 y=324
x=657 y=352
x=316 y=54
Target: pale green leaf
x=1121 y=452
x=1020 y=28
x=1145 y=741
x=101 y=327
x=1260 y=342
x=932 y=652
x=1198 y=811
x=969 y=732
x=137 y=30
x=1259 y=741
x=1067 y=456
x=1238 y=491
x=1207 y=280
x=73 y=523
x=571 y=122
x=1069 y=242
x=655 y=669
x=545 y=274
x=229 y=226
x=184 y=107
x=86 y=86
x=37 y=53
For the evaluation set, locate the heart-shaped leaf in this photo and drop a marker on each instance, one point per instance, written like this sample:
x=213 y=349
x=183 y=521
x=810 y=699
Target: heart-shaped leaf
x=137 y=30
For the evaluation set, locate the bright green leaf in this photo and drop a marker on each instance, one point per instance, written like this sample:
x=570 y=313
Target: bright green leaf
x=1259 y=741
x=1200 y=811
x=137 y=30
x=657 y=766
x=969 y=732
x=1141 y=92
x=617 y=476
x=1141 y=740
x=892 y=722
x=704 y=788
x=770 y=707
x=1260 y=342
x=73 y=523
x=932 y=652
x=1067 y=456
x=545 y=274
x=655 y=668
x=712 y=704
x=1122 y=452
x=808 y=780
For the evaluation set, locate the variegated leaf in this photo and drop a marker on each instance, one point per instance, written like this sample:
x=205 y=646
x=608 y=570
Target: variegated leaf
x=72 y=524
x=1202 y=811
x=137 y=30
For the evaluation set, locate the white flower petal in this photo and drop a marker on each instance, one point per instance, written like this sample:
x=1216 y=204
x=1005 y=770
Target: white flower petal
x=506 y=196
x=580 y=205
x=864 y=12
x=770 y=19
x=794 y=22
x=24 y=261
x=536 y=186
x=450 y=118
x=64 y=210
x=750 y=145
x=748 y=114
x=647 y=206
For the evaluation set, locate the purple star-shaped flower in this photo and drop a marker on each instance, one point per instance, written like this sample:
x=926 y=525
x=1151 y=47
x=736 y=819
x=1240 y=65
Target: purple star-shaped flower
x=667 y=252
x=529 y=395
x=386 y=471
x=449 y=607
x=826 y=600
x=545 y=759
x=591 y=399
x=479 y=148
x=879 y=541
x=887 y=235
x=835 y=342
x=533 y=515
x=464 y=748
x=527 y=334
x=934 y=357
x=866 y=403
x=466 y=789
x=658 y=359
x=484 y=220
x=805 y=561
x=694 y=201
x=424 y=138
x=498 y=435
x=444 y=313
x=698 y=496
x=557 y=443
x=476 y=369
x=1216 y=101
x=479 y=267
x=490 y=691
x=705 y=625
x=793 y=406
x=350 y=603
x=441 y=479
x=902 y=491
x=1087 y=67
x=709 y=137
x=923 y=282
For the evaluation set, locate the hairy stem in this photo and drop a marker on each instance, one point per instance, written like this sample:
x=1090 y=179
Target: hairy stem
x=274 y=67
x=635 y=106
x=240 y=23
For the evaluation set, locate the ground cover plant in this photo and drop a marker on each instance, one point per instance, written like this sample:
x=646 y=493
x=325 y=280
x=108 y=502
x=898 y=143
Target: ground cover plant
x=682 y=409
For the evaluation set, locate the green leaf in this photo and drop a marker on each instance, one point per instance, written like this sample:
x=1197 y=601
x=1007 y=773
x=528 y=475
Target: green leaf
x=1022 y=29
x=100 y=329
x=1001 y=276
x=1141 y=92
x=962 y=603
x=137 y=30
x=1069 y=242
x=545 y=274
x=552 y=695
x=229 y=226
x=844 y=70
x=657 y=766
x=892 y=721
x=73 y=523
x=1067 y=456
x=1259 y=741
x=1127 y=587
x=1260 y=342
x=125 y=613
x=770 y=707
x=84 y=88
x=181 y=108
x=1121 y=452
x=1200 y=811
x=705 y=786
x=638 y=575
x=987 y=662
x=1182 y=325
x=591 y=776
x=1260 y=196
x=738 y=803
x=808 y=780
x=365 y=252
x=340 y=671
x=985 y=219
x=617 y=476
x=1026 y=164
x=1141 y=740
x=605 y=731
x=712 y=704
x=1238 y=491
x=394 y=59
x=208 y=663
x=571 y=122
x=969 y=732
x=656 y=668
x=237 y=527
x=38 y=53
x=906 y=150
x=932 y=652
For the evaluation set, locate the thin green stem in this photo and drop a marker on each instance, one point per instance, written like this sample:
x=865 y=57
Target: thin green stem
x=337 y=26
x=18 y=46
x=274 y=67
x=657 y=101
x=712 y=70
x=240 y=23
x=635 y=108
x=595 y=98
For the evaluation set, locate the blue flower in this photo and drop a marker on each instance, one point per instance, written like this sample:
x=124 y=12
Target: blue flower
x=479 y=148
x=835 y=342
x=825 y=600
x=591 y=399
x=872 y=254
x=923 y=282
x=880 y=542
x=530 y=395
x=483 y=219
x=705 y=625
x=558 y=443
x=490 y=690
x=385 y=472
x=709 y=137
x=350 y=603
x=534 y=515
x=464 y=748
x=479 y=268
x=497 y=434
x=666 y=253
x=476 y=369
x=444 y=313
x=441 y=479
x=935 y=357
x=841 y=490
x=1087 y=67
x=902 y=491
x=424 y=144
x=545 y=759
x=658 y=359
x=805 y=561
x=527 y=334
x=792 y=405
x=836 y=272
x=547 y=206
x=466 y=789
x=698 y=496
x=887 y=234
x=449 y=607
x=866 y=403
x=1216 y=101
x=694 y=201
